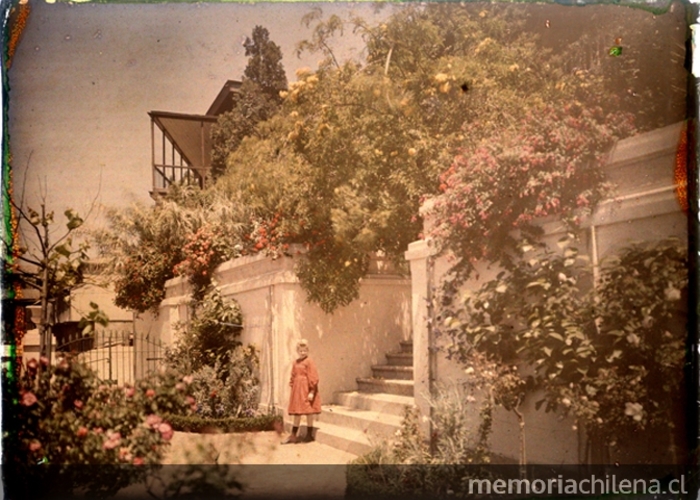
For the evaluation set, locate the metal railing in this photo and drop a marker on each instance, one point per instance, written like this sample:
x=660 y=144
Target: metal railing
x=118 y=356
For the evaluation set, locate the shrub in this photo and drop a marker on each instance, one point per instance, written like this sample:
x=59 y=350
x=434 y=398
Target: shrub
x=210 y=335
x=195 y=423
x=58 y=417
x=406 y=467
x=231 y=387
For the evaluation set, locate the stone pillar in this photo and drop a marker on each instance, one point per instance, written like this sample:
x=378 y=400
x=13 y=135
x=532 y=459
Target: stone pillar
x=417 y=255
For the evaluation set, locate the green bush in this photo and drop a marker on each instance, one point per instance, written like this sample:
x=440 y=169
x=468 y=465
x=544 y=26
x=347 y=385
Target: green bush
x=59 y=417
x=197 y=424
x=405 y=467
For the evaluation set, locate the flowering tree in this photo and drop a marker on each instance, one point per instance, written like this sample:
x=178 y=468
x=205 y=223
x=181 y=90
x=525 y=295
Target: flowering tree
x=344 y=167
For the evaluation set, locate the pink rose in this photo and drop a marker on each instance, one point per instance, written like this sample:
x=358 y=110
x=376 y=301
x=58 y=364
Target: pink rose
x=150 y=393
x=78 y=404
x=44 y=360
x=124 y=455
x=82 y=432
x=138 y=461
x=166 y=431
x=187 y=379
x=129 y=392
x=34 y=445
x=32 y=365
x=28 y=399
x=97 y=430
x=113 y=440
x=180 y=386
x=153 y=420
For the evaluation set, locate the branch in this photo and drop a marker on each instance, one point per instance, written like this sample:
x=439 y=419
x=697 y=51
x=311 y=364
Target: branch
x=29 y=261
x=36 y=229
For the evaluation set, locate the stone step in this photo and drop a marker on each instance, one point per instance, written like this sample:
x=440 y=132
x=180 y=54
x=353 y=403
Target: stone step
x=392 y=404
x=374 y=385
x=400 y=358
x=406 y=346
x=370 y=422
x=349 y=440
x=392 y=372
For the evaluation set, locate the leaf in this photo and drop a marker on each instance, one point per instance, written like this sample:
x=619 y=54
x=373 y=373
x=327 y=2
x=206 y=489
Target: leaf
x=539 y=404
x=62 y=250
x=547 y=351
x=557 y=336
x=502 y=288
x=563 y=242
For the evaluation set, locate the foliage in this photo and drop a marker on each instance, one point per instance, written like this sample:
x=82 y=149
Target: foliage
x=51 y=267
x=609 y=354
x=145 y=246
x=406 y=467
x=258 y=100
x=230 y=388
x=355 y=148
x=211 y=333
x=264 y=66
x=552 y=166
x=195 y=423
x=59 y=420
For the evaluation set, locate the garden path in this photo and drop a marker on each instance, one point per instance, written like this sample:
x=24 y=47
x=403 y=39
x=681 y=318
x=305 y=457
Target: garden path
x=266 y=468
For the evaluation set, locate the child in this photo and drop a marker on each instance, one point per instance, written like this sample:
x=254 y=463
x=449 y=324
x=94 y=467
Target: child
x=304 y=398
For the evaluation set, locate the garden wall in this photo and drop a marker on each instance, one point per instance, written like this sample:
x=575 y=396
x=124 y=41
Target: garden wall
x=645 y=208
x=344 y=345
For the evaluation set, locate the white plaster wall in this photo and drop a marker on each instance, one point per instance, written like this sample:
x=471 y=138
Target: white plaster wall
x=276 y=314
x=644 y=208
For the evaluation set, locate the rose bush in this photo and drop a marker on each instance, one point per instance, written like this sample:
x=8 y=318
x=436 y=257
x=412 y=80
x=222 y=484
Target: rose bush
x=59 y=420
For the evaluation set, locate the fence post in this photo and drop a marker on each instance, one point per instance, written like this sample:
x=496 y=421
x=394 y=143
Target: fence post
x=109 y=353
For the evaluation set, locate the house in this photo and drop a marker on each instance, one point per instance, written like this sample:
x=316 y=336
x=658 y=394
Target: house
x=181 y=143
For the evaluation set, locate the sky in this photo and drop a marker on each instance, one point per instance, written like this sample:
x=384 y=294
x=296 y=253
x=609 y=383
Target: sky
x=85 y=76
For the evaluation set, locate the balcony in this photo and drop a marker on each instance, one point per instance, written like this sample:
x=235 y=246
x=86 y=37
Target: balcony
x=181 y=143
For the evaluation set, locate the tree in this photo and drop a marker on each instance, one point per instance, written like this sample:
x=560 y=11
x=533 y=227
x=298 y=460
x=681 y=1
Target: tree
x=265 y=64
x=356 y=149
x=259 y=98
x=51 y=264
x=188 y=232
x=610 y=355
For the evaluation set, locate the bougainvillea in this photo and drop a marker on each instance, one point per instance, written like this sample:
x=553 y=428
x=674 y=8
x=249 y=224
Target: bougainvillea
x=550 y=166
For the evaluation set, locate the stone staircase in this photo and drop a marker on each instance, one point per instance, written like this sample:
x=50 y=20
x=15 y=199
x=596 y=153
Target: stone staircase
x=360 y=419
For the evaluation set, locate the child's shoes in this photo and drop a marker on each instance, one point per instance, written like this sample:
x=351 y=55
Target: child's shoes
x=292 y=439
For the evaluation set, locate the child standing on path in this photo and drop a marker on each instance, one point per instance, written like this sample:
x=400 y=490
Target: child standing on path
x=304 y=399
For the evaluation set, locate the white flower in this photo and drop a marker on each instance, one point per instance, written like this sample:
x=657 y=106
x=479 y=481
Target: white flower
x=469 y=370
x=634 y=410
x=566 y=402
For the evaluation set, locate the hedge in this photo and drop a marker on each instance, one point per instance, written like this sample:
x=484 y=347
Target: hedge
x=194 y=423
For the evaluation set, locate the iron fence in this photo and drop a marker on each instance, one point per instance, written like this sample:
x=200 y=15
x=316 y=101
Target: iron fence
x=118 y=356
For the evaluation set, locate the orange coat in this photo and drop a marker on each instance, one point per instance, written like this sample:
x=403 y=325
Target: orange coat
x=304 y=380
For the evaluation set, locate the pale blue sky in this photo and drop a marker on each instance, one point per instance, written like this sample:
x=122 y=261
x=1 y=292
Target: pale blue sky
x=85 y=76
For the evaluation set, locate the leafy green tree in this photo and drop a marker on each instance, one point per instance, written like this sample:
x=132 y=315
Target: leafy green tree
x=51 y=264
x=258 y=100
x=611 y=355
x=188 y=232
x=359 y=147
x=265 y=64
